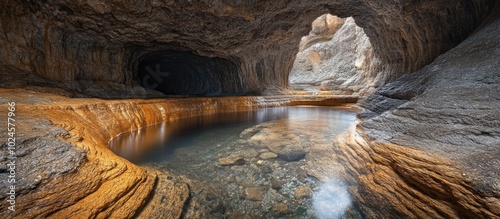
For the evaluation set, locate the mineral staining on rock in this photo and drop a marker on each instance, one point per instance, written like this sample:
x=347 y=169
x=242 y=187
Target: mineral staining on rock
x=63 y=154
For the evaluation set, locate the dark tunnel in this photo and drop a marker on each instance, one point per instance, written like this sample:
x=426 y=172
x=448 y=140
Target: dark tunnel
x=184 y=73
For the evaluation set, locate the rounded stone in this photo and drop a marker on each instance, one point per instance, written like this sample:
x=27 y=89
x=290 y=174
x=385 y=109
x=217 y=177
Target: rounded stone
x=268 y=155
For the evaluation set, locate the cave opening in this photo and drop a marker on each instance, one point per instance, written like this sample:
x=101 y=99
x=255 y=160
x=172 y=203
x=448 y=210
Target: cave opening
x=185 y=73
x=335 y=58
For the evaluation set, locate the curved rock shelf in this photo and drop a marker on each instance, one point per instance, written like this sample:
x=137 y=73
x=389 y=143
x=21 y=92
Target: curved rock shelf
x=67 y=169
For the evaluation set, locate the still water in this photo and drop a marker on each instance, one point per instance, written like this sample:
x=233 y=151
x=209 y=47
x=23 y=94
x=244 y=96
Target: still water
x=265 y=163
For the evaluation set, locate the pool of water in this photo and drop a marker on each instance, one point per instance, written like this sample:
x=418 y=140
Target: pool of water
x=265 y=163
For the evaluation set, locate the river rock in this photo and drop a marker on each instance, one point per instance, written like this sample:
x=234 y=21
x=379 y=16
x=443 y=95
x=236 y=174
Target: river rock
x=303 y=192
x=268 y=155
x=254 y=194
x=276 y=183
x=250 y=153
x=231 y=160
x=280 y=209
x=278 y=139
x=289 y=152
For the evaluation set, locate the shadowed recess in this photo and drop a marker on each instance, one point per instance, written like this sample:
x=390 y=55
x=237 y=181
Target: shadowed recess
x=184 y=73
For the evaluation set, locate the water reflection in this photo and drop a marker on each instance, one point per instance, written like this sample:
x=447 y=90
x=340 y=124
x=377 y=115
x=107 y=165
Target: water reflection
x=260 y=187
x=332 y=200
x=144 y=144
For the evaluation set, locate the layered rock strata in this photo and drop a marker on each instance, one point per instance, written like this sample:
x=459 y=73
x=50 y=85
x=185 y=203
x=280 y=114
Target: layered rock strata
x=65 y=169
x=428 y=144
x=75 y=43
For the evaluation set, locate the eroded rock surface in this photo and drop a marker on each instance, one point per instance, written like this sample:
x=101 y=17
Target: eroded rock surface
x=345 y=63
x=434 y=135
x=66 y=170
x=87 y=42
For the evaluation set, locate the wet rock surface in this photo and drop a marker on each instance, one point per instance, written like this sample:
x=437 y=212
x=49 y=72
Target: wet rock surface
x=66 y=170
x=235 y=159
x=260 y=188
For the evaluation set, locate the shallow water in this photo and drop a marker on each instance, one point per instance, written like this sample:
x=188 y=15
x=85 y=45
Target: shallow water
x=301 y=178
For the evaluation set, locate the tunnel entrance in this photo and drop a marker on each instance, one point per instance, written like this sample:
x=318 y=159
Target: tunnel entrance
x=184 y=73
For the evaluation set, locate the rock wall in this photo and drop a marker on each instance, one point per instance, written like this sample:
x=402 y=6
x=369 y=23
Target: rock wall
x=429 y=142
x=344 y=63
x=102 y=42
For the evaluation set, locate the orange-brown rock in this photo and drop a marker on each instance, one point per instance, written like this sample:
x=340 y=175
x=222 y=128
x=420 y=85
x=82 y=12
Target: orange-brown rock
x=66 y=169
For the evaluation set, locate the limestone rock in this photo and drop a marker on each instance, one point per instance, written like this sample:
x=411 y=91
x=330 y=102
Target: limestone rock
x=232 y=160
x=344 y=63
x=323 y=29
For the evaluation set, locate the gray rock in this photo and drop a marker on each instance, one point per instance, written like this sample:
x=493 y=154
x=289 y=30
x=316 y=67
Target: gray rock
x=289 y=152
x=341 y=63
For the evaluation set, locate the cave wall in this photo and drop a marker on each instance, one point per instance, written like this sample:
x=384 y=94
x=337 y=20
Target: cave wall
x=102 y=41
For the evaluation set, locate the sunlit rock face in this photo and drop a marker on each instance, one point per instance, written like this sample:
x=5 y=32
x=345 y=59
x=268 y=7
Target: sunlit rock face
x=89 y=41
x=323 y=29
x=344 y=63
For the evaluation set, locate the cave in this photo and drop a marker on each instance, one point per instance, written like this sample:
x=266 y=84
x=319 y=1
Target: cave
x=184 y=73
x=400 y=97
